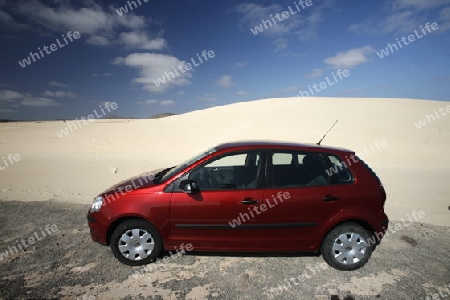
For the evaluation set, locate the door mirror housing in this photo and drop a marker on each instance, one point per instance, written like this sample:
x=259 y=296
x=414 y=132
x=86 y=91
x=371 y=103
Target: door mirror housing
x=189 y=186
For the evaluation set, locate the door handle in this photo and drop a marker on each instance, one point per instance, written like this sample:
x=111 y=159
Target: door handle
x=249 y=201
x=330 y=198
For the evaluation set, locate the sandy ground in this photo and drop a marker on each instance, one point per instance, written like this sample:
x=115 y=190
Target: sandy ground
x=413 y=164
x=67 y=265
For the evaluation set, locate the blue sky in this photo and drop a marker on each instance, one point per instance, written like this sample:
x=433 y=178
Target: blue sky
x=118 y=57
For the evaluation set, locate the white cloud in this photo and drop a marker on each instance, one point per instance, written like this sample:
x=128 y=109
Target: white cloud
x=304 y=24
x=57 y=84
x=106 y=74
x=208 y=98
x=147 y=102
x=167 y=102
x=397 y=23
x=14 y=98
x=418 y=4
x=97 y=40
x=315 y=73
x=139 y=40
x=59 y=94
x=98 y=26
x=181 y=93
x=350 y=58
x=240 y=65
x=241 y=93
x=152 y=66
x=225 y=81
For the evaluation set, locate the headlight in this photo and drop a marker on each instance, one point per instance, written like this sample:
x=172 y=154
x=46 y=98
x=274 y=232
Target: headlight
x=98 y=202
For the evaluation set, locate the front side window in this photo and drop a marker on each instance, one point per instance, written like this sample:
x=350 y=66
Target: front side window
x=232 y=171
x=298 y=169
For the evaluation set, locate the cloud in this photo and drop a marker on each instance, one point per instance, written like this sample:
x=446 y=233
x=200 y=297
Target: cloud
x=99 y=26
x=139 y=40
x=13 y=98
x=315 y=73
x=402 y=17
x=241 y=93
x=102 y=74
x=97 y=40
x=167 y=102
x=152 y=101
x=350 y=58
x=225 y=81
x=181 y=93
x=397 y=23
x=59 y=94
x=304 y=24
x=7 y=21
x=152 y=66
x=418 y=4
x=57 y=84
x=240 y=65
x=147 y=102
x=208 y=98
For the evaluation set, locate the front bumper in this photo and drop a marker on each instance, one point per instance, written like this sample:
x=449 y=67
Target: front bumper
x=98 y=229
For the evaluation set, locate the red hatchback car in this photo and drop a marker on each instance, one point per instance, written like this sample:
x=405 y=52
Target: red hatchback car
x=248 y=196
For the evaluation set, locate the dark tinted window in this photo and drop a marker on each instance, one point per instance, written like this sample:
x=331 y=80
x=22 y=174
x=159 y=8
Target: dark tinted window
x=233 y=171
x=339 y=168
x=297 y=169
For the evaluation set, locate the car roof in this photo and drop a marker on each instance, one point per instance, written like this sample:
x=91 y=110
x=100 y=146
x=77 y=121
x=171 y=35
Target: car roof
x=277 y=144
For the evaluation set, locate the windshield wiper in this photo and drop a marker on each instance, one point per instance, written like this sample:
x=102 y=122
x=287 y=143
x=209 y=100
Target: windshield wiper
x=161 y=174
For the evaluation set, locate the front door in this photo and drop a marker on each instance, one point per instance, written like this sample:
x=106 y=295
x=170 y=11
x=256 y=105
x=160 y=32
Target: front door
x=221 y=214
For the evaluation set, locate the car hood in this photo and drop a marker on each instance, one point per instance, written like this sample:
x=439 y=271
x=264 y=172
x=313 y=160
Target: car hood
x=143 y=180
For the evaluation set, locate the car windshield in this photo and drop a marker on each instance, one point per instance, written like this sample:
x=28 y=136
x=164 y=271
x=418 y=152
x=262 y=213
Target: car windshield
x=167 y=173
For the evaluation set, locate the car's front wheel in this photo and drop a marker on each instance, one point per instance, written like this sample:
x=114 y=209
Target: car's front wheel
x=347 y=247
x=136 y=242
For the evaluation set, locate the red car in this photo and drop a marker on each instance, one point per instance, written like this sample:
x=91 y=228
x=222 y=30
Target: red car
x=248 y=196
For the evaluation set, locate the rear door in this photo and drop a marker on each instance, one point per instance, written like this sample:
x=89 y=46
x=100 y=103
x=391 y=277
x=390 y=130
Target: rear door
x=300 y=198
x=220 y=215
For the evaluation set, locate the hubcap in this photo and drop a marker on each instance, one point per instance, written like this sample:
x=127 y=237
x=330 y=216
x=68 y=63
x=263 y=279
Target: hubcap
x=349 y=248
x=136 y=244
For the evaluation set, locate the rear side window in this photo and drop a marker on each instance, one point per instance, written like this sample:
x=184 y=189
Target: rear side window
x=340 y=169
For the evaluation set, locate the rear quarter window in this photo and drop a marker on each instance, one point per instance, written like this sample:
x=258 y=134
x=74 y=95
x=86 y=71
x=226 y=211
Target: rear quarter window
x=339 y=169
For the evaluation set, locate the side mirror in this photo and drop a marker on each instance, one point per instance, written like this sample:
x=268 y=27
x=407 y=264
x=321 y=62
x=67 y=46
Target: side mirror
x=189 y=186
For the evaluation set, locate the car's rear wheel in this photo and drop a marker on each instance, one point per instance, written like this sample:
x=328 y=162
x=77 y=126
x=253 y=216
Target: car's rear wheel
x=347 y=247
x=136 y=242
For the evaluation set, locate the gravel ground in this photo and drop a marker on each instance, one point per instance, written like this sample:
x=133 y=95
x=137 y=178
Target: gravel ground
x=63 y=263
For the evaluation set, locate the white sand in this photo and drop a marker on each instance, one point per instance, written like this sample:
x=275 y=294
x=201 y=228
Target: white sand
x=414 y=167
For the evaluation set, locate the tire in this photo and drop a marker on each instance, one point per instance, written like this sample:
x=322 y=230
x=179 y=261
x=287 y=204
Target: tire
x=347 y=247
x=136 y=243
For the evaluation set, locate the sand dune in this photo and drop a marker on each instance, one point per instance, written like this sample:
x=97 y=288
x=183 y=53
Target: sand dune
x=413 y=164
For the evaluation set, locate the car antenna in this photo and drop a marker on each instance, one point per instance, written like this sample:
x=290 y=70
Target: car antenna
x=327 y=132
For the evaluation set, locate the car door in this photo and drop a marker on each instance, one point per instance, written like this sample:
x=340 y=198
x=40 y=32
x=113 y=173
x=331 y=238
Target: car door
x=220 y=214
x=301 y=200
